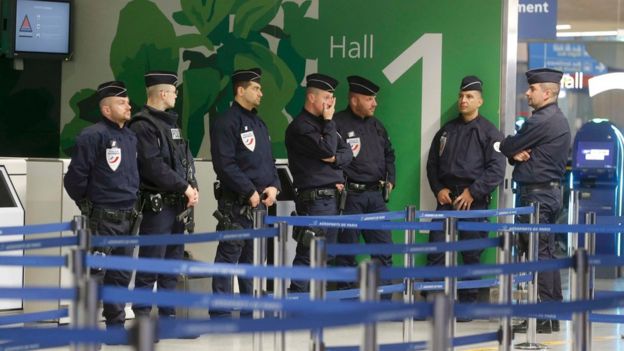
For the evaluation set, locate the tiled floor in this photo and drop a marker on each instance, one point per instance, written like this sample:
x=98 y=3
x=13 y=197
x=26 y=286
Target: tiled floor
x=605 y=336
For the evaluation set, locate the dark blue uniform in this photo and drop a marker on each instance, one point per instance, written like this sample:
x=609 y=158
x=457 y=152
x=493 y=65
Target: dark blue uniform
x=166 y=168
x=103 y=171
x=547 y=134
x=243 y=161
x=373 y=163
x=309 y=139
x=464 y=155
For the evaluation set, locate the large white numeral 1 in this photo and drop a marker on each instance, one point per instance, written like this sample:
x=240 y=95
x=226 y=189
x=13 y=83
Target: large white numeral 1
x=428 y=48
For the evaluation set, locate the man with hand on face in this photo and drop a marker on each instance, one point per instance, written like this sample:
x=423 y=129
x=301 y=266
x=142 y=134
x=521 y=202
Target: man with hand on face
x=464 y=166
x=371 y=173
x=316 y=155
x=103 y=179
x=243 y=161
x=539 y=153
x=168 y=183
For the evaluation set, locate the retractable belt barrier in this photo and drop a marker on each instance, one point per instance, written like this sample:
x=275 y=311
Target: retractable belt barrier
x=34 y=316
x=176 y=239
x=199 y=268
x=36 y=228
x=388 y=249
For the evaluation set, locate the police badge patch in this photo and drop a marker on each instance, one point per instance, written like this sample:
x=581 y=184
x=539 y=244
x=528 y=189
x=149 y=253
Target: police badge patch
x=355 y=144
x=113 y=157
x=175 y=134
x=249 y=140
x=496 y=146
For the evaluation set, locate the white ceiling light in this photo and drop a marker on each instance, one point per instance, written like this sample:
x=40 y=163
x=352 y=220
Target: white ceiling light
x=564 y=27
x=604 y=33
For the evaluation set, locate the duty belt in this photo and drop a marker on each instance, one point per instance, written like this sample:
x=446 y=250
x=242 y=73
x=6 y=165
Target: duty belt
x=364 y=186
x=111 y=214
x=173 y=200
x=315 y=194
x=540 y=186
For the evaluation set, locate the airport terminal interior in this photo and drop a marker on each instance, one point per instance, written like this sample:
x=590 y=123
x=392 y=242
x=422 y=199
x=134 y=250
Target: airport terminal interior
x=55 y=53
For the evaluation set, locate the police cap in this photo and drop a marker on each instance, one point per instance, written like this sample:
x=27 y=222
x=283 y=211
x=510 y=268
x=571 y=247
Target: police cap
x=543 y=75
x=112 y=88
x=160 y=77
x=361 y=85
x=321 y=81
x=247 y=75
x=471 y=83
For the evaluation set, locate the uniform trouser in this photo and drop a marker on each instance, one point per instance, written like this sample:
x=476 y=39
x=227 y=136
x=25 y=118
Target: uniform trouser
x=163 y=222
x=548 y=283
x=468 y=257
x=370 y=201
x=317 y=207
x=233 y=251
x=113 y=313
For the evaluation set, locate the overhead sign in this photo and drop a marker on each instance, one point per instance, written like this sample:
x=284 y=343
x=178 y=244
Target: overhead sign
x=537 y=19
x=566 y=57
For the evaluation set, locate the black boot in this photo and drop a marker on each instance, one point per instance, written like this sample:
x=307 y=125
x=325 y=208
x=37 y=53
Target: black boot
x=544 y=326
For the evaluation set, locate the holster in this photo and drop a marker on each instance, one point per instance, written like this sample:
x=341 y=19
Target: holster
x=342 y=200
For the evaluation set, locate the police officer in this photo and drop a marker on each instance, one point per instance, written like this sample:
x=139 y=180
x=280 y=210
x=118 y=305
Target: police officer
x=316 y=153
x=103 y=179
x=243 y=161
x=371 y=173
x=464 y=166
x=539 y=152
x=168 y=184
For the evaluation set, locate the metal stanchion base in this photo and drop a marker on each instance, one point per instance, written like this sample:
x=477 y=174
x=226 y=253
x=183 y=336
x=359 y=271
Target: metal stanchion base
x=530 y=346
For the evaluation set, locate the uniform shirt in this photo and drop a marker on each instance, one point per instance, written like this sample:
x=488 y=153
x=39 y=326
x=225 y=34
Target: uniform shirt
x=466 y=154
x=309 y=139
x=547 y=134
x=103 y=167
x=163 y=167
x=241 y=151
x=373 y=155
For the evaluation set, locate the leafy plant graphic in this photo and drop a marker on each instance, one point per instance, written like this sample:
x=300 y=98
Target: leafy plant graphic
x=230 y=34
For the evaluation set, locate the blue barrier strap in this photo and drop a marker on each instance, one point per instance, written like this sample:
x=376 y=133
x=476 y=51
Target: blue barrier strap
x=207 y=269
x=33 y=317
x=177 y=239
x=32 y=345
x=389 y=249
x=38 y=243
x=238 y=302
x=470 y=284
x=38 y=293
x=51 y=335
x=411 y=346
x=475 y=339
x=34 y=261
x=605 y=260
x=309 y=221
x=378 y=216
x=347 y=293
x=543 y=310
x=606 y=318
x=36 y=228
x=541 y=228
x=177 y=328
x=475 y=213
x=474 y=270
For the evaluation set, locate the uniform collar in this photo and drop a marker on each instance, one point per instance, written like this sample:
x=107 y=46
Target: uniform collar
x=545 y=107
x=356 y=117
x=169 y=116
x=461 y=118
x=111 y=124
x=252 y=112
